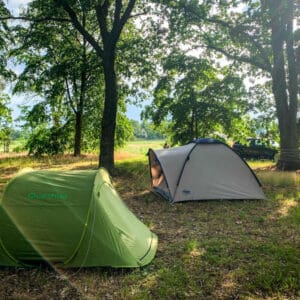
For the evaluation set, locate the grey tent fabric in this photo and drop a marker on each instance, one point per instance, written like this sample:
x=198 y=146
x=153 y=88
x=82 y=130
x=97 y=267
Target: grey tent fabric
x=204 y=169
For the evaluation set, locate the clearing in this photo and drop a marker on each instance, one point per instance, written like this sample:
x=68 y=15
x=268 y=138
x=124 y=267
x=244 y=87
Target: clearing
x=206 y=250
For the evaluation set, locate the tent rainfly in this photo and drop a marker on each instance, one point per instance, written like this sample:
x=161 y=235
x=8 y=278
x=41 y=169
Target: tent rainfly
x=204 y=169
x=70 y=219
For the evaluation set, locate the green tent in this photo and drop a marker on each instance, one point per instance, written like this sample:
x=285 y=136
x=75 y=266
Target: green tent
x=70 y=219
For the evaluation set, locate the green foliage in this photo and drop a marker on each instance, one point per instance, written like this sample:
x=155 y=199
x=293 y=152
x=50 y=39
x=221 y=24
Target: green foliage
x=48 y=141
x=6 y=41
x=43 y=135
x=137 y=129
x=146 y=130
x=197 y=99
x=5 y=112
x=191 y=245
x=61 y=68
x=260 y=39
x=5 y=122
x=34 y=116
x=264 y=123
x=124 y=130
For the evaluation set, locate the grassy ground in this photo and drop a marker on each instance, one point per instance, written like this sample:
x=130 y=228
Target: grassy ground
x=207 y=250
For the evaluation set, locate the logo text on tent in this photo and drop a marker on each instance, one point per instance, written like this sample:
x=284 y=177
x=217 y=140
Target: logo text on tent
x=46 y=196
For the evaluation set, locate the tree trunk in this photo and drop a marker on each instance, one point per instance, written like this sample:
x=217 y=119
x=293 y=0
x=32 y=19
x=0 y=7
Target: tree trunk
x=81 y=103
x=108 y=125
x=107 y=55
x=79 y=114
x=78 y=133
x=285 y=103
x=192 y=126
x=78 y=117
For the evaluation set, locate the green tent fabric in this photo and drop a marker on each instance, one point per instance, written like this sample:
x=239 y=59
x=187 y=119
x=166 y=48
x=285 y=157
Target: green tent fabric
x=70 y=219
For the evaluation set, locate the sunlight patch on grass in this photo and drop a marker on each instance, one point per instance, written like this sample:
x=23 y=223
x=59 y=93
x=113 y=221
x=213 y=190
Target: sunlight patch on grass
x=148 y=282
x=261 y=164
x=140 y=148
x=285 y=206
x=150 y=224
x=197 y=252
x=124 y=155
x=206 y=250
x=229 y=282
x=193 y=249
x=143 y=193
x=280 y=179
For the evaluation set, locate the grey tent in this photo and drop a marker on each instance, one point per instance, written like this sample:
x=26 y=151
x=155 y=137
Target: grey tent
x=204 y=169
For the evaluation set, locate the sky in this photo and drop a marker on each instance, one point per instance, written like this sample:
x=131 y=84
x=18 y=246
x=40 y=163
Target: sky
x=13 y=6
x=133 y=112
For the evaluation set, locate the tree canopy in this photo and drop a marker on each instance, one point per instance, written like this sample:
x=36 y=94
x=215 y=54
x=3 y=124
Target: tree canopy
x=256 y=35
x=86 y=59
x=198 y=99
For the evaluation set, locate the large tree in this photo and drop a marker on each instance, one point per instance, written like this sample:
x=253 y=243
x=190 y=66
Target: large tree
x=60 y=66
x=111 y=18
x=197 y=99
x=5 y=74
x=107 y=21
x=5 y=122
x=257 y=34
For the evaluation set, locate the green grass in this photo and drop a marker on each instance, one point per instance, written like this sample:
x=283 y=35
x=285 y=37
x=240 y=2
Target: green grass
x=280 y=179
x=15 y=146
x=139 y=148
x=206 y=250
x=261 y=164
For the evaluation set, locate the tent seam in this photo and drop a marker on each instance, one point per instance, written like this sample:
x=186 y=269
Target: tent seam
x=8 y=253
x=149 y=249
x=182 y=170
x=136 y=259
x=85 y=226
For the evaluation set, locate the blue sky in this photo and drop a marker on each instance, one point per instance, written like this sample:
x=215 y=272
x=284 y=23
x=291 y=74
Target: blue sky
x=133 y=112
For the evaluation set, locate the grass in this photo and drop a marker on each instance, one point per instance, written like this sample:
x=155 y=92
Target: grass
x=207 y=250
x=139 y=148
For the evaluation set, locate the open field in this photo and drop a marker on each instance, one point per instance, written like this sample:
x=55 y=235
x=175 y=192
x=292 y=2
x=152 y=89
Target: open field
x=206 y=250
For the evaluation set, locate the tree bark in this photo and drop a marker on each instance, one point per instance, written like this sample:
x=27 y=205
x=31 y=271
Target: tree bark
x=81 y=103
x=78 y=134
x=286 y=103
x=108 y=125
x=79 y=114
x=107 y=55
x=285 y=74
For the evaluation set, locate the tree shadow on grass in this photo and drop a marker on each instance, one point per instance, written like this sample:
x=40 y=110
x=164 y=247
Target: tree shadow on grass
x=206 y=250
x=248 y=248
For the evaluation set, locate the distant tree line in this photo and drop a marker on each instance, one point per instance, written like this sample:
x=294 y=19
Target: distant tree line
x=146 y=130
x=5 y=123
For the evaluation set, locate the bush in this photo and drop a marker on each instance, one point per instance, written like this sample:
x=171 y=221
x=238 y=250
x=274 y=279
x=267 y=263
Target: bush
x=49 y=141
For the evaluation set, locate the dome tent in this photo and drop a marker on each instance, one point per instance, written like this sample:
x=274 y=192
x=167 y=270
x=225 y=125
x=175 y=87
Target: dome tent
x=204 y=169
x=70 y=219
